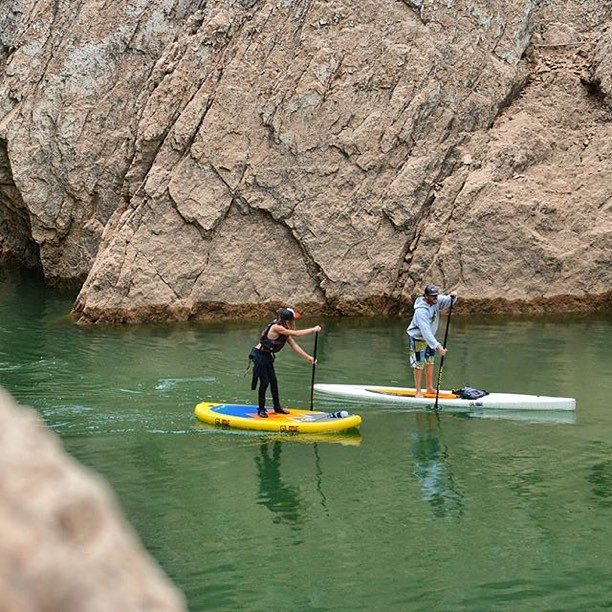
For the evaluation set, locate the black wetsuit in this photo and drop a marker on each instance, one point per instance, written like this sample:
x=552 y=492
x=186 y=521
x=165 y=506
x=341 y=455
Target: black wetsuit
x=263 y=367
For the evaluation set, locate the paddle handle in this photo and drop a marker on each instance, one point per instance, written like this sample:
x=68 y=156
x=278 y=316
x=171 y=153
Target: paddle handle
x=314 y=365
x=441 y=369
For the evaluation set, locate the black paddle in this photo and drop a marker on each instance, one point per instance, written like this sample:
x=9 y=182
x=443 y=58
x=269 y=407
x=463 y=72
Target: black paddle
x=314 y=364
x=450 y=310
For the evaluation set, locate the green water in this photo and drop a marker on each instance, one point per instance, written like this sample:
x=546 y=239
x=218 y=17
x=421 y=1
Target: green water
x=411 y=513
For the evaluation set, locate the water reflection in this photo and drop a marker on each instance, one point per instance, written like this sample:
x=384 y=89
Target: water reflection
x=432 y=470
x=282 y=499
x=567 y=417
x=600 y=480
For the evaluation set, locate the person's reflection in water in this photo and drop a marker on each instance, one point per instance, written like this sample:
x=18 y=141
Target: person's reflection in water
x=431 y=469
x=281 y=499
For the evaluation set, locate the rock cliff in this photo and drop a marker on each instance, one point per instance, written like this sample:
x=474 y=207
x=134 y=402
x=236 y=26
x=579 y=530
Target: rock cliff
x=192 y=159
x=64 y=544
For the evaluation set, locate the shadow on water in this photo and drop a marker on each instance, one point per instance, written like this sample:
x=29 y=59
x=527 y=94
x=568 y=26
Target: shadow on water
x=282 y=499
x=600 y=479
x=559 y=417
x=349 y=437
x=431 y=467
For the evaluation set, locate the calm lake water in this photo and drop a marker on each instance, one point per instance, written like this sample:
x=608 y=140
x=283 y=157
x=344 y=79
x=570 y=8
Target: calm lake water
x=409 y=513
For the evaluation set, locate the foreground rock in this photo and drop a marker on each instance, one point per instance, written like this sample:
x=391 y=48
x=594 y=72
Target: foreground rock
x=330 y=155
x=64 y=544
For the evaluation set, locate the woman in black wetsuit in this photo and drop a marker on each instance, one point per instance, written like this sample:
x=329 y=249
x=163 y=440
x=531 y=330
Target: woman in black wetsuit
x=273 y=338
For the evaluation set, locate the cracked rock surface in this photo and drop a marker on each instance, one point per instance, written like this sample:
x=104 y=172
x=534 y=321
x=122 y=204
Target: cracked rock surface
x=222 y=158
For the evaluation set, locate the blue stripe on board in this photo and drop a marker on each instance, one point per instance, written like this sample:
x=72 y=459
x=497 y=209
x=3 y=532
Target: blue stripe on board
x=236 y=410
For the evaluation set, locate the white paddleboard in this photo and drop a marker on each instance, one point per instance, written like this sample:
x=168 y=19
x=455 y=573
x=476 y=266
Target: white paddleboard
x=446 y=399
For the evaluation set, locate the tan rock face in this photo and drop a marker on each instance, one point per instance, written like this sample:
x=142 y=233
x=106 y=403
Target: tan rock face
x=72 y=72
x=64 y=544
x=328 y=155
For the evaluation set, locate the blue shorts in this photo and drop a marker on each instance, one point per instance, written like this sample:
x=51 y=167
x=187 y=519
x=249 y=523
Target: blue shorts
x=420 y=353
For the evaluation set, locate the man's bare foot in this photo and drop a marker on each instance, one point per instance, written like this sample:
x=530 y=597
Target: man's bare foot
x=418 y=394
x=431 y=391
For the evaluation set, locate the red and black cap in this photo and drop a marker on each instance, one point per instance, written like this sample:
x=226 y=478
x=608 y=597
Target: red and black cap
x=289 y=314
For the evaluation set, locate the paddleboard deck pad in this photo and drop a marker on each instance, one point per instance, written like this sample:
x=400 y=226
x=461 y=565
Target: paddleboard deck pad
x=240 y=416
x=446 y=399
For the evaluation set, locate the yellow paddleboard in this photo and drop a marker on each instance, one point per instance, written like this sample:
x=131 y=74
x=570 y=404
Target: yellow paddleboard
x=297 y=421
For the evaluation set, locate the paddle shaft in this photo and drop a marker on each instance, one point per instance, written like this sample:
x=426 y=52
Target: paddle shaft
x=314 y=365
x=450 y=310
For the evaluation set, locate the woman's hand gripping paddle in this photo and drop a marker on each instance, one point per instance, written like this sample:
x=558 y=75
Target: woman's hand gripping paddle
x=450 y=310
x=314 y=365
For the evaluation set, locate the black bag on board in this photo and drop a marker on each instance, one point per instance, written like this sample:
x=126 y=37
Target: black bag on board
x=470 y=393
